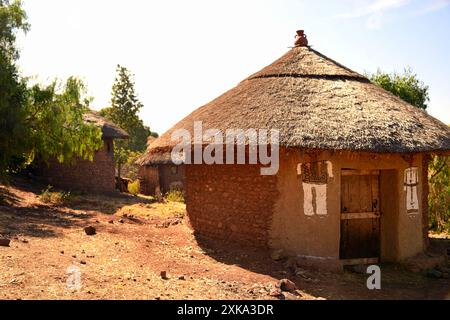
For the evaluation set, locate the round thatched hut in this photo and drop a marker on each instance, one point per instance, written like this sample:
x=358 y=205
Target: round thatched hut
x=158 y=175
x=352 y=180
x=96 y=176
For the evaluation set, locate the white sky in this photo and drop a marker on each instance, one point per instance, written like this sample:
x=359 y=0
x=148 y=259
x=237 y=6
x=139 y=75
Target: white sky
x=185 y=53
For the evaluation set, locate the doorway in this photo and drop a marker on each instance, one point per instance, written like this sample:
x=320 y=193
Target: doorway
x=360 y=216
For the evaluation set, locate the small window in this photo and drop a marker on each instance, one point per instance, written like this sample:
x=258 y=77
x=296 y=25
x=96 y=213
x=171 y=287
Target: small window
x=174 y=170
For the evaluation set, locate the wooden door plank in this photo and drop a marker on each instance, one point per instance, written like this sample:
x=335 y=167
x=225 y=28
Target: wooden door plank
x=354 y=194
x=365 y=194
x=351 y=172
x=359 y=215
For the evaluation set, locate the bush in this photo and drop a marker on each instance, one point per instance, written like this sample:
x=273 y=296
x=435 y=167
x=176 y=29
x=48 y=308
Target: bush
x=175 y=195
x=439 y=197
x=55 y=197
x=129 y=168
x=134 y=187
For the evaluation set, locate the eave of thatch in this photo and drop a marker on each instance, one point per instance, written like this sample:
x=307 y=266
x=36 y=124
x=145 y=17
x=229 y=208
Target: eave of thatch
x=155 y=159
x=109 y=129
x=152 y=157
x=317 y=103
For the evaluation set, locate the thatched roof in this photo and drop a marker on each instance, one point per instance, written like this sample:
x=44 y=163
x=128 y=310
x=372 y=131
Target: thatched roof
x=152 y=157
x=317 y=103
x=109 y=129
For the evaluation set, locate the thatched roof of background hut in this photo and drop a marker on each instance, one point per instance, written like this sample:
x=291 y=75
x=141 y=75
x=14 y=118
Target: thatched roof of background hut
x=154 y=158
x=109 y=129
x=316 y=103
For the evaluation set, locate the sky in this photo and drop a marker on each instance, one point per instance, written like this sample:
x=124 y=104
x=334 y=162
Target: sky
x=186 y=53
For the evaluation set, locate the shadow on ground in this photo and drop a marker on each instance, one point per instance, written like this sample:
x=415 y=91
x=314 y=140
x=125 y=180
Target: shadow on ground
x=39 y=221
x=397 y=282
x=22 y=215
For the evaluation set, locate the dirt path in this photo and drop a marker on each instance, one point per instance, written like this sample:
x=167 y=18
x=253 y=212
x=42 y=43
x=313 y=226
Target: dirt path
x=133 y=245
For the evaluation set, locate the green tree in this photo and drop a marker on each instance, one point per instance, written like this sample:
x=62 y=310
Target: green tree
x=13 y=19
x=405 y=86
x=439 y=197
x=43 y=121
x=124 y=112
x=56 y=119
x=408 y=87
x=13 y=92
x=13 y=130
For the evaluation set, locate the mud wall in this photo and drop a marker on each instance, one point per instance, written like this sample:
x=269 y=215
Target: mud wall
x=90 y=176
x=234 y=202
x=171 y=176
x=148 y=180
x=318 y=235
x=231 y=202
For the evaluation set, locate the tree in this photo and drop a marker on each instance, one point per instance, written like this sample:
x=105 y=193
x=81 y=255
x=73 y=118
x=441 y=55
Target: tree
x=409 y=88
x=125 y=108
x=124 y=112
x=12 y=20
x=42 y=121
x=439 y=197
x=55 y=118
x=13 y=130
x=406 y=86
x=13 y=92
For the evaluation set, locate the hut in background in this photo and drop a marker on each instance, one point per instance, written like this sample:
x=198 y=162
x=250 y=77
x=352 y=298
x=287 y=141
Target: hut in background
x=158 y=174
x=352 y=184
x=89 y=176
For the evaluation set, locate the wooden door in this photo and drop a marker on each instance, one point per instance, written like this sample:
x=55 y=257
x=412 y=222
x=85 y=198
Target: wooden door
x=360 y=216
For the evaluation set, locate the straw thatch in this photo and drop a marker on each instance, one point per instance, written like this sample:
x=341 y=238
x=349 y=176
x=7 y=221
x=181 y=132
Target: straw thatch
x=317 y=103
x=109 y=129
x=152 y=157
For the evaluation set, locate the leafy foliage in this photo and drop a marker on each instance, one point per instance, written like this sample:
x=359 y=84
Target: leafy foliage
x=12 y=19
x=410 y=89
x=55 y=117
x=41 y=121
x=125 y=108
x=55 y=197
x=406 y=86
x=129 y=167
x=439 y=197
x=13 y=129
x=133 y=187
x=175 y=195
x=13 y=92
x=124 y=112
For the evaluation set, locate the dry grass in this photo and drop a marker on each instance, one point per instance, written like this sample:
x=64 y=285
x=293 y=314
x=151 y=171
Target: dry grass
x=316 y=103
x=162 y=210
x=132 y=246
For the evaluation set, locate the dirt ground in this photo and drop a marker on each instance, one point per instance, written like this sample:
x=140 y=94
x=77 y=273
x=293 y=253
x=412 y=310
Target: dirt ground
x=137 y=239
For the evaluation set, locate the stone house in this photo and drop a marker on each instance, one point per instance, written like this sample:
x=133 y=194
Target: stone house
x=84 y=175
x=352 y=181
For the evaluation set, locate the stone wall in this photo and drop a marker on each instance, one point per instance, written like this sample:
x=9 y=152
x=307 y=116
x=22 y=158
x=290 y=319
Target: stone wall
x=96 y=176
x=230 y=202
